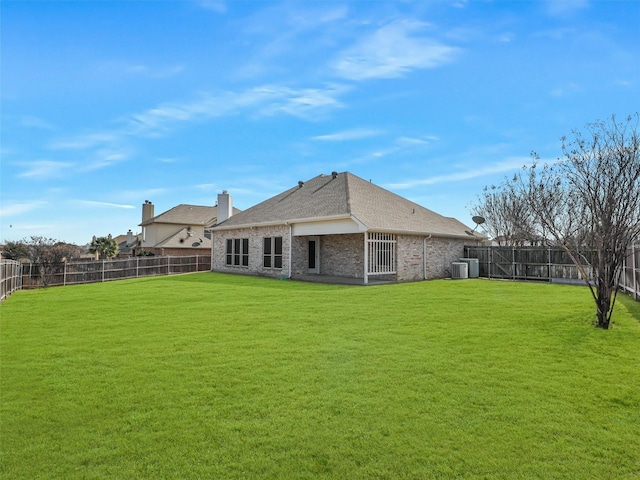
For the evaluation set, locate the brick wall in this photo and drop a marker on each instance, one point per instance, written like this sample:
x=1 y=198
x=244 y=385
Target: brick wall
x=340 y=255
x=409 y=258
x=440 y=253
x=256 y=237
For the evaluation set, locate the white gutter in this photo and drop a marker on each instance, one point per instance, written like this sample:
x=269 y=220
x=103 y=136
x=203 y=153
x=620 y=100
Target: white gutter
x=286 y=222
x=290 y=246
x=345 y=216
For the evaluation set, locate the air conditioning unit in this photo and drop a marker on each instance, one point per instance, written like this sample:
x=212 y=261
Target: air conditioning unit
x=459 y=270
x=474 y=266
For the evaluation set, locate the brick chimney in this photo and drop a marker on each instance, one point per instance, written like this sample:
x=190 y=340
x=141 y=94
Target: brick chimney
x=147 y=211
x=225 y=206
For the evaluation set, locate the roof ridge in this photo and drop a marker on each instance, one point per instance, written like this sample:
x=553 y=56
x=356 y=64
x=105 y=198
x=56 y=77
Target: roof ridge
x=347 y=176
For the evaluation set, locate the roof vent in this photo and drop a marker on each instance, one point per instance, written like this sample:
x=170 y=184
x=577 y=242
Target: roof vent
x=334 y=174
x=300 y=184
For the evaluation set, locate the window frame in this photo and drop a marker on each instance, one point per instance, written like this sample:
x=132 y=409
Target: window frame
x=237 y=252
x=272 y=248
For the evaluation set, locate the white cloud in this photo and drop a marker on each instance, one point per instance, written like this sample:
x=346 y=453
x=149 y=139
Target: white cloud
x=567 y=89
x=45 y=169
x=392 y=51
x=92 y=203
x=105 y=158
x=29 y=121
x=19 y=208
x=110 y=147
x=217 y=6
x=563 y=7
x=354 y=134
x=264 y=100
x=83 y=141
x=510 y=164
x=416 y=142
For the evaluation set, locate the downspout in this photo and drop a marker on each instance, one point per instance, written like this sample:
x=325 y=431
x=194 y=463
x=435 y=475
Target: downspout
x=366 y=258
x=290 y=246
x=424 y=256
x=211 y=250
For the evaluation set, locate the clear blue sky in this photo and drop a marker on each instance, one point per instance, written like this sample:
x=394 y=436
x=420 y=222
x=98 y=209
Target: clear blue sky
x=108 y=104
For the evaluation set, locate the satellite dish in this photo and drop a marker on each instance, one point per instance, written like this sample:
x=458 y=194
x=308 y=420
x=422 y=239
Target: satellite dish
x=478 y=220
x=195 y=244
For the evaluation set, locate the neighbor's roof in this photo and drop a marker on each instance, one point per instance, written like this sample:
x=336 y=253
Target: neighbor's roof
x=188 y=215
x=185 y=239
x=345 y=195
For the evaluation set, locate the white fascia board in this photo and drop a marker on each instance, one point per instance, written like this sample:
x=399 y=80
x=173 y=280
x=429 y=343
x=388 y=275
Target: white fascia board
x=293 y=222
x=328 y=226
x=426 y=234
x=221 y=227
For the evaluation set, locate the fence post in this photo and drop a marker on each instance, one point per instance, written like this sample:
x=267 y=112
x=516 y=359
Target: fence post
x=168 y=265
x=634 y=275
x=103 y=270
x=137 y=266
x=64 y=275
x=549 y=262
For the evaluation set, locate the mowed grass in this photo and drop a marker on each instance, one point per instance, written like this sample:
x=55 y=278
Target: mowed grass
x=219 y=376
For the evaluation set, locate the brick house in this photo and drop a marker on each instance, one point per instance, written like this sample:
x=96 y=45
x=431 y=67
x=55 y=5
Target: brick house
x=182 y=230
x=339 y=226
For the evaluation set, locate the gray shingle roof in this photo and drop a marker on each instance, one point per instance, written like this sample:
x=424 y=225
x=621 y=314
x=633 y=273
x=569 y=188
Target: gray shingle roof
x=345 y=195
x=188 y=215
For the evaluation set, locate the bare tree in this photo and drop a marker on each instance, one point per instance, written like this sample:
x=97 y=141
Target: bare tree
x=507 y=217
x=48 y=254
x=588 y=203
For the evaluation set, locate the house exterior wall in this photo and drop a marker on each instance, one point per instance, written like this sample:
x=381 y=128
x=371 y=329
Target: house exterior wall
x=409 y=258
x=340 y=255
x=157 y=232
x=441 y=252
x=256 y=237
x=174 y=251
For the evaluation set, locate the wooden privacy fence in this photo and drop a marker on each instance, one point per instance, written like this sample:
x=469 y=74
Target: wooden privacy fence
x=549 y=264
x=630 y=281
x=10 y=277
x=71 y=273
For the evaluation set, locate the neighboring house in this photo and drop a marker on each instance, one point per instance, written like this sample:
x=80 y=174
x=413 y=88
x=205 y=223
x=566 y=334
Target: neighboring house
x=127 y=244
x=339 y=226
x=182 y=230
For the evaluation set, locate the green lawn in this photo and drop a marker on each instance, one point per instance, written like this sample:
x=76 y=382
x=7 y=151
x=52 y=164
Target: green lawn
x=217 y=376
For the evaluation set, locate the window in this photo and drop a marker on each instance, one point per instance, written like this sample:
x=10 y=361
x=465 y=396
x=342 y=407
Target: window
x=272 y=252
x=238 y=252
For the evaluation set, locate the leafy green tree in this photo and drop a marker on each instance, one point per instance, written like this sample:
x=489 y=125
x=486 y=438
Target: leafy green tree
x=105 y=247
x=15 y=250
